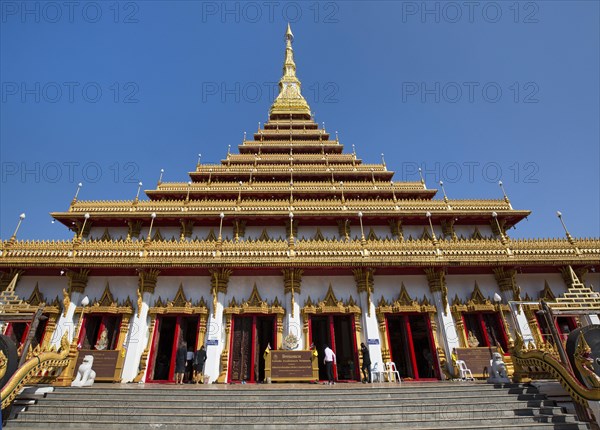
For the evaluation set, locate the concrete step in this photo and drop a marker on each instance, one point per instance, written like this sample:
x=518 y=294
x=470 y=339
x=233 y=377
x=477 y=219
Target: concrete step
x=346 y=406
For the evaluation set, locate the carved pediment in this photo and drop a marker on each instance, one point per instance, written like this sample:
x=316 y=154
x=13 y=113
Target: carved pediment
x=108 y=304
x=264 y=236
x=404 y=303
x=211 y=237
x=36 y=297
x=318 y=235
x=330 y=304
x=476 y=302
x=546 y=294
x=372 y=235
x=179 y=305
x=254 y=305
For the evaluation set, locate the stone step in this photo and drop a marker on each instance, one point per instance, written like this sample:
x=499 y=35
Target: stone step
x=445 y=406
x=325 y=422
x=501 y=402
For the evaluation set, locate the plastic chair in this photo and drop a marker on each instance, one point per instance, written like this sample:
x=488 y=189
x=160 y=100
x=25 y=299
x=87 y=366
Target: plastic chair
x=390 y=370
x=376 y=374
x=463 y=371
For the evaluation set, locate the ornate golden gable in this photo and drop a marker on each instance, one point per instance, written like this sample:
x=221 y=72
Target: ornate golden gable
x=330 y=304
x=179 y=305
x=211 y=237
x=255 y=305
x=547 y=294
x=476 y=303
x=404 y=303
x=318 y=235
x=372 y=235
x=264 y=235
x=36 y=298
x=158 y=236
x=108 y=305
x=106 y=235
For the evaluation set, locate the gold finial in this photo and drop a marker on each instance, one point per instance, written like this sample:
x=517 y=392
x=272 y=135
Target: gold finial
x=290 y=100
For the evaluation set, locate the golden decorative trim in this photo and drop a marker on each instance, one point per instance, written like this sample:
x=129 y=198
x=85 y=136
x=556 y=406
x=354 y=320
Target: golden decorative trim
x=43 y=367
x=179 y=305
x=535 y=361
x=147 y=280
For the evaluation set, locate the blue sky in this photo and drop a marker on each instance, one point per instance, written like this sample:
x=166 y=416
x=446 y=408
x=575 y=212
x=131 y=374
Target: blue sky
x=108 y=93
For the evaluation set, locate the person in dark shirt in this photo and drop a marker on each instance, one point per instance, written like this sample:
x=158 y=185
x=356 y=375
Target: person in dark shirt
x=180 y=359
x=366 y=365
x=199 y=360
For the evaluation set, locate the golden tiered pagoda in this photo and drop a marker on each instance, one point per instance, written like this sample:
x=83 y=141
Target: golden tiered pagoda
x=290 y=242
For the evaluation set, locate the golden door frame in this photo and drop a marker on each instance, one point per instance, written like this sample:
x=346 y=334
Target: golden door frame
x=331 y=305
x=180 y=305
x=406 y=304
x=253 y=305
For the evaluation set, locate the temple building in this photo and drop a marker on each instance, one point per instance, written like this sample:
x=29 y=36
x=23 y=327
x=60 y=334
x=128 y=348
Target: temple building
x=291 y=240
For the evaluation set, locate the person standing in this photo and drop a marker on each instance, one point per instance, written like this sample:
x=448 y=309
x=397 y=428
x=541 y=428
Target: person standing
x=180 y=357
x=329 y=362
x=199 y=360
x=366 y=364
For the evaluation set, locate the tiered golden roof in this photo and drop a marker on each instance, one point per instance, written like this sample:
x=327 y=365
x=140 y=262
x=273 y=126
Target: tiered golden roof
x=291 y=165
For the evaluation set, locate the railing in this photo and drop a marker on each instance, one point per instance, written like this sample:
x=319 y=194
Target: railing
x=40 y=367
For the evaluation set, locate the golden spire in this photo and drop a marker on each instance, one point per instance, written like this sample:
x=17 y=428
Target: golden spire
x=290 y=99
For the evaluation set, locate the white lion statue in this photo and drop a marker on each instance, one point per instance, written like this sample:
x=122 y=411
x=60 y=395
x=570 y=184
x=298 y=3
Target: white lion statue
x=498 y=372
x=85 y=375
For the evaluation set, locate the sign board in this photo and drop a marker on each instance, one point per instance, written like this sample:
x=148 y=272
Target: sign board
x=108 y=364
x=290 y=365
x=373 y=341
x=212 y=342
x=476 y=359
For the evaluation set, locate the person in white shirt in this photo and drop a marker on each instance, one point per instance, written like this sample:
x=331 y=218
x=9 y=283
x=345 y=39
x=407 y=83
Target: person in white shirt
x=329 y=362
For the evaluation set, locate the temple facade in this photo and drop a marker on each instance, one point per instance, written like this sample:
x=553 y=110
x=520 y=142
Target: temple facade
x=289 y=241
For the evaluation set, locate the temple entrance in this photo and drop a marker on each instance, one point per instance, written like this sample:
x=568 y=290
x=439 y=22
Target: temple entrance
x=411 y=346
x=18 y=332
x=167 y=334
x=338 y=332
x=250 y=336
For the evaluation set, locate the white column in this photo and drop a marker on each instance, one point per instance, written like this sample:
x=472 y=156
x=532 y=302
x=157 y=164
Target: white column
x=446 y=326
x=519 y=317
x=66 y=323
x=137 y=340
x=293 y=324
x=370 y=328
x=215 y=339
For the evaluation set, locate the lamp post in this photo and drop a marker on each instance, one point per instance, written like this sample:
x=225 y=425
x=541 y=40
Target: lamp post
x=79 y=185
x=137 y=195
x=86 y=217
x=14 y=236
x=362 y=231
x=84 y=302
x=434 y=238
x=221 y=215
x=153 y=216
x=291 y=227
x=444 y=191
x=495 y=216
x=569 y=237
x=189 y=187
x=501 y=185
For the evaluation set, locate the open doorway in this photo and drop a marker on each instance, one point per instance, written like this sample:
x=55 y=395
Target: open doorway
x=411 y=346
x=169 y=330
x=337 y=331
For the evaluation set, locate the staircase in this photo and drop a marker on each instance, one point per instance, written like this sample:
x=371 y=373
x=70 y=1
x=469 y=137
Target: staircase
x=436 y=405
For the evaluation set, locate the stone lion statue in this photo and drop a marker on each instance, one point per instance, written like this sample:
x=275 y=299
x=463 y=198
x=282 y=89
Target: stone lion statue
x=498 y=372
x=85 y=375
